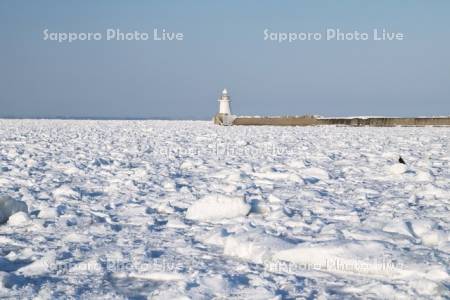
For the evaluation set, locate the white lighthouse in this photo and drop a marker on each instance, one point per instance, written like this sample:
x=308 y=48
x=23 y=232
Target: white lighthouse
x=224 y=116
x=224 y=103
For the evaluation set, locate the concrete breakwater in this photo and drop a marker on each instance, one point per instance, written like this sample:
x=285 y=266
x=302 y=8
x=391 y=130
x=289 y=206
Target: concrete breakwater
x=314 y=121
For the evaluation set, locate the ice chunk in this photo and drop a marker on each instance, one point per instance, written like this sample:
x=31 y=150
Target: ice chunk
x=41 y=266
x=428 y=231
x=48 y=213
x=255 y=246
x=18 y=219
x=74 y=237
x=216 y=207
x=65 y=192
x=396 y=169
x=215 y=284
x=9 y=206
x=316 y=173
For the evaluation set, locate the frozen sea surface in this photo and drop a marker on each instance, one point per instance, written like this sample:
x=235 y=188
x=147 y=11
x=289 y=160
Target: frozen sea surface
x=186 y=209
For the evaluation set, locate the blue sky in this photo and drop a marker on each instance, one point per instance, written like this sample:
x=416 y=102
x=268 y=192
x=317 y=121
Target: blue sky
x=223 y=46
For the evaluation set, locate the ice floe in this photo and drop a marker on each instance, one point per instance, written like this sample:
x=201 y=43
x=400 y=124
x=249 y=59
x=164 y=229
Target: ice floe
x=216 y=207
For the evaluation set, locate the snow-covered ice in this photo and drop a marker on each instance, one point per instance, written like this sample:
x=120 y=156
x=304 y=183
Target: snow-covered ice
x=190 y=210
x=217 y=207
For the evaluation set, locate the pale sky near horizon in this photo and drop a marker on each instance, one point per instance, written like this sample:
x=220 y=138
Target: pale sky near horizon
x=223 y=46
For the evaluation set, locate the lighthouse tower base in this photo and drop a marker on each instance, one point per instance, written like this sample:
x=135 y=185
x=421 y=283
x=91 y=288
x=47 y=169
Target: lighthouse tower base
x=224 y=119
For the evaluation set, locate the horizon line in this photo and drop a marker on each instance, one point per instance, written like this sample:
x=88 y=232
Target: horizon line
x=113 y=118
